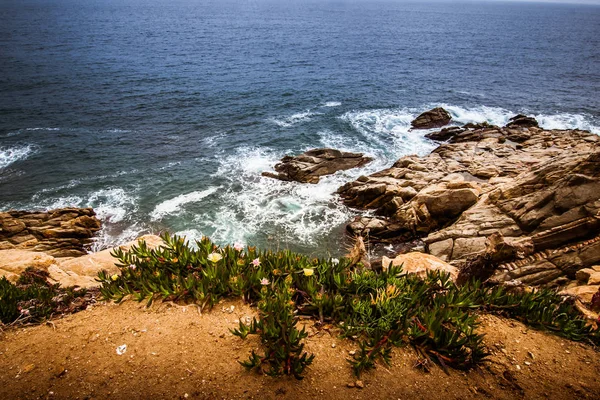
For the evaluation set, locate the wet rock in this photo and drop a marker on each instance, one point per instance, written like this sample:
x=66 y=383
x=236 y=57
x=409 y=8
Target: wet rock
x=433 y=118
x=523 y=121
x=445 y=133
x=311 y=165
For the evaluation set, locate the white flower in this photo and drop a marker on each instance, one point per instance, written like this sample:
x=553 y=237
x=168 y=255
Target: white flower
x=264 y=281
x=238 y=247
x=256 y=262
x=335 y=261
x=214 y=257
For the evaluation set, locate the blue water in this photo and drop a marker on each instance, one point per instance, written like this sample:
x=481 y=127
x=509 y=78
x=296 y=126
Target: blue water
x=162 y=114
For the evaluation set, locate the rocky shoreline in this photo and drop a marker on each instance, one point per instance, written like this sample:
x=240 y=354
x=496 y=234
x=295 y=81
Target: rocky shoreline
x=517 y=205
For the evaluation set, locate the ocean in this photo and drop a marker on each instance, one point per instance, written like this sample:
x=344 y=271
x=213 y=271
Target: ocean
x=161 y=115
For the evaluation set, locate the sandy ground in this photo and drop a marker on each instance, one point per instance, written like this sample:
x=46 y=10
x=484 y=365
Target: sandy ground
x=174 y=352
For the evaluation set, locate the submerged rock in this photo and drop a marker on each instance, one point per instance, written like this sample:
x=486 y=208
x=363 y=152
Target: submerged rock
x=62 y=232
x=311 y=165
x=433 y=118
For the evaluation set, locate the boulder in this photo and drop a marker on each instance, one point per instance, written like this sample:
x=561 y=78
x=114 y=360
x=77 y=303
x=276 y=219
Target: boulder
x=522 y=121
x=311 y=165
x=419 y=264
x=433 y=118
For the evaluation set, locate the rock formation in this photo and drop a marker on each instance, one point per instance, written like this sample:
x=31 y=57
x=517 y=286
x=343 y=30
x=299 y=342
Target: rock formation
x=60 y=233
x=523 y=199
x=310 y=166
x=79 y=271
x=434 y=118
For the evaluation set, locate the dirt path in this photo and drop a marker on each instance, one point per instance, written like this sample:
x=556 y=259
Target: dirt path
x=173 y=352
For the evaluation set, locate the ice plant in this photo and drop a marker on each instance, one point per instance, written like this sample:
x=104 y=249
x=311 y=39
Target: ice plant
x=214 y=257
x=114 y=277
x=238 y=247
x=379 y=309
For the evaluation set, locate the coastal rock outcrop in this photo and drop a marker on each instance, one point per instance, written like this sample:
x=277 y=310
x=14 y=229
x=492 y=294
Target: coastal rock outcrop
x=311 y=165
x=534 y=193
x=433 y=118
x=79 y=271
x=60 y=233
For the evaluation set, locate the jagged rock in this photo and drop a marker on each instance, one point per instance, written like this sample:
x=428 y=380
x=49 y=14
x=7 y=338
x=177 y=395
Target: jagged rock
x=433 y=118
x=63 y=232
x=311 y=165
x=445 y=133
x=542 y=193
x=80 y=271
x=419 y=263
x=522 y=121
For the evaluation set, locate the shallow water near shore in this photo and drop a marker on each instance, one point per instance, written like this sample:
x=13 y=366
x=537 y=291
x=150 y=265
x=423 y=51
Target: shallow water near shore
x=162 y=115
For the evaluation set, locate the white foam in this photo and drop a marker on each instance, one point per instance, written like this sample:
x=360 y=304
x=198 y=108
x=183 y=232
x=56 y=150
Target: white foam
x=567 y=121
x=10 y=155
x=43 y=129
x=289 y=212
x=332 y=104
x=111 y=205
x=174 y=205
x=389 y=131
x=286 y=122
x=500 y=117
x=107 y=238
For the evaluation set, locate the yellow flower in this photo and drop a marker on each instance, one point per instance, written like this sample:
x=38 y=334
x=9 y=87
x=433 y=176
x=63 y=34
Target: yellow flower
x=309 y=271
x=114 y=277
x=214 y=257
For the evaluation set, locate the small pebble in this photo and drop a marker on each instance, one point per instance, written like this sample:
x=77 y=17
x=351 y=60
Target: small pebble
x=333 y=345
x=359 y=384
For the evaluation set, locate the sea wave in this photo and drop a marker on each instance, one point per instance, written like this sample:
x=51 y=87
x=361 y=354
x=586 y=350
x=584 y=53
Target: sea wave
x=255 y=206
x=10 y=155
x=174 y=205
x=332 y=104
x=111 y=205
x=286 y=122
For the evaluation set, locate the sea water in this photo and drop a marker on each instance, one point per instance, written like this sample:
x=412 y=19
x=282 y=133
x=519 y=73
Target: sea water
x=161 y=115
